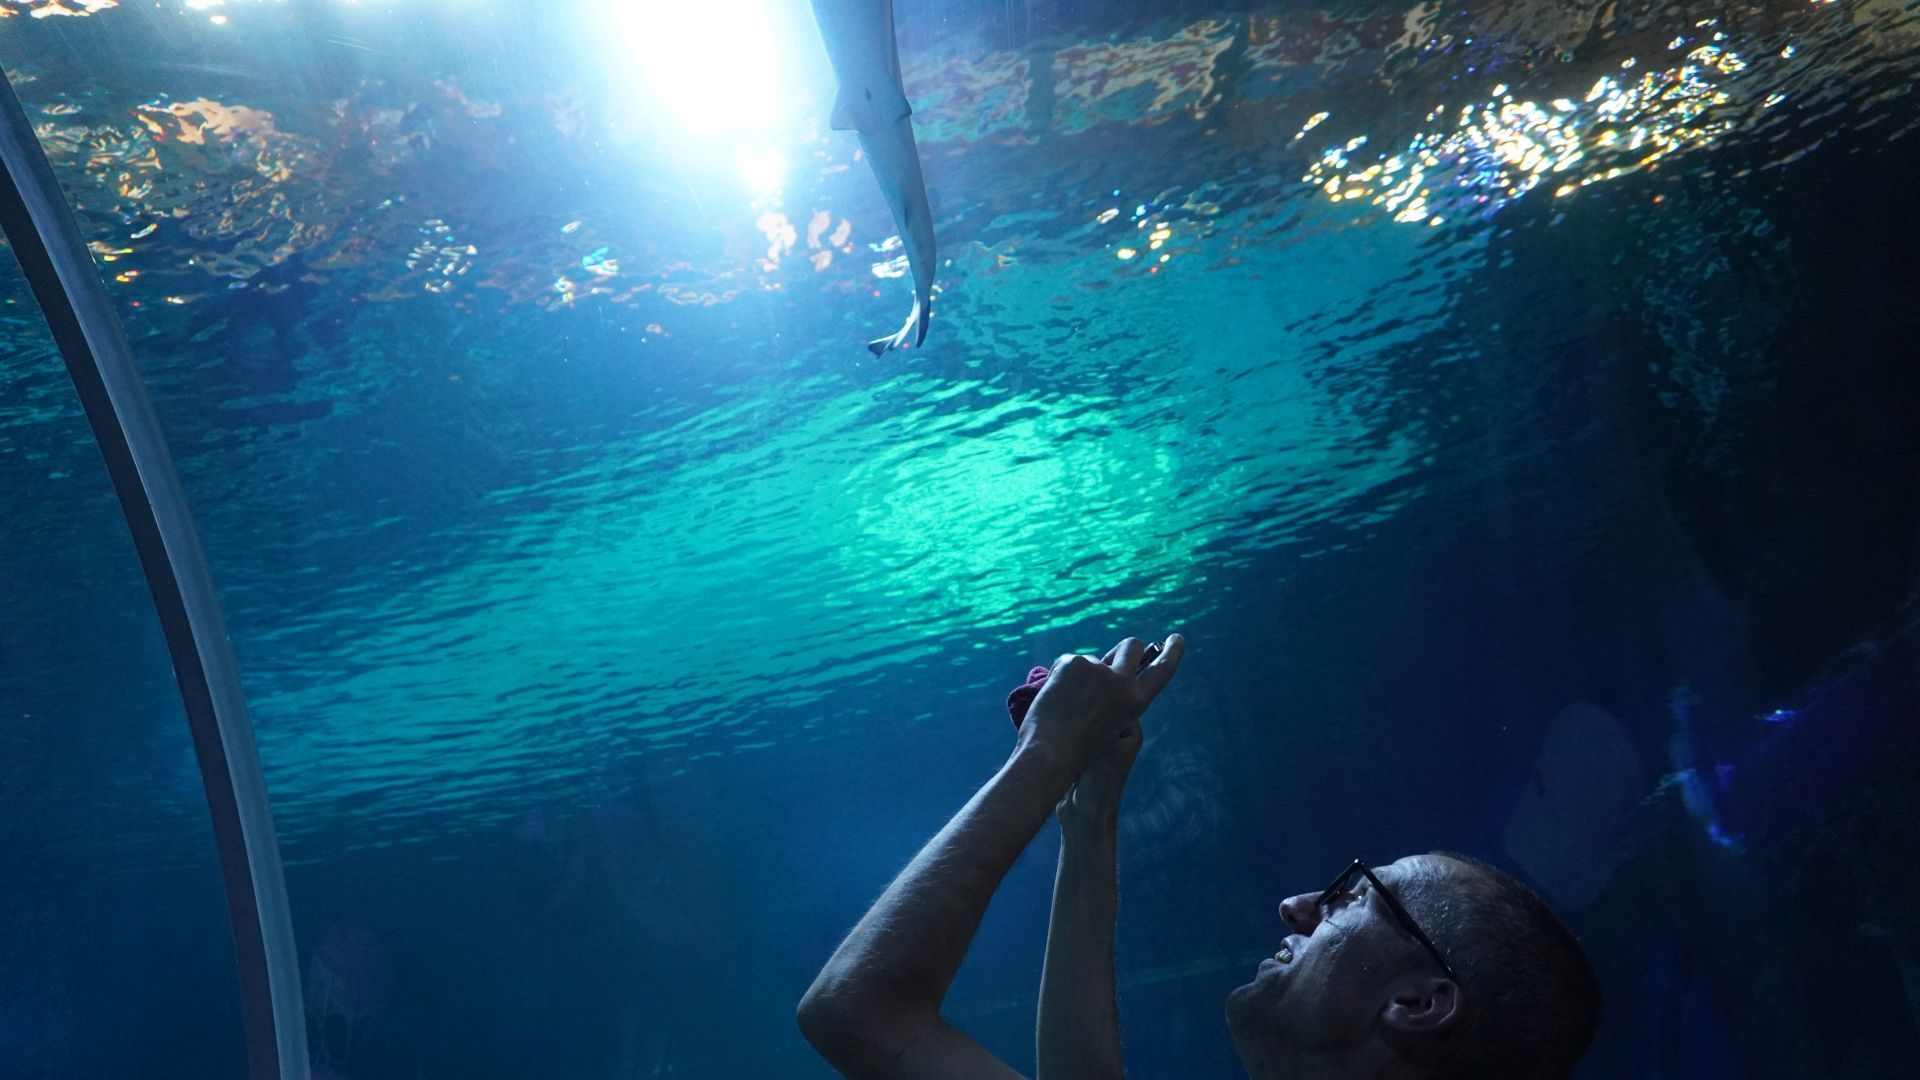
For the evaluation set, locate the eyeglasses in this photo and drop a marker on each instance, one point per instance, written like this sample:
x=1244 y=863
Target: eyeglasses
x=1393 y=904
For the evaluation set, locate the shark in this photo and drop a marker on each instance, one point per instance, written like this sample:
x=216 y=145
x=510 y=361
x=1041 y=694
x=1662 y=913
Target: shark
x=872 y=103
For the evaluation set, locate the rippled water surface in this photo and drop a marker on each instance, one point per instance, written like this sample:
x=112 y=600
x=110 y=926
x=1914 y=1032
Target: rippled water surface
x=1433 y=366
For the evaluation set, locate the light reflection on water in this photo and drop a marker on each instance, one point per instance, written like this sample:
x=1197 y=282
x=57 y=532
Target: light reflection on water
x=512 y=452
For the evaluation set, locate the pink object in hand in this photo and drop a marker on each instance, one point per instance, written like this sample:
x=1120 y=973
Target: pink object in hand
x=1022 y=697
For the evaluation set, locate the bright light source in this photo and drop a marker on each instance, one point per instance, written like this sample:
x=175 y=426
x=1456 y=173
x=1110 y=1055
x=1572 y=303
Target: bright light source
x=764 y=169
x=711 y=65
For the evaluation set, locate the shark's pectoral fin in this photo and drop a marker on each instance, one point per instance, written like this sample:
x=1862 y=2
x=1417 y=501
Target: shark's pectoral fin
x=910 y=335
x=869 y=107
x=865 y=55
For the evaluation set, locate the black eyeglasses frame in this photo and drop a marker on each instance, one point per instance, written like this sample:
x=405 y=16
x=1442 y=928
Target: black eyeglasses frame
x=1393 y=904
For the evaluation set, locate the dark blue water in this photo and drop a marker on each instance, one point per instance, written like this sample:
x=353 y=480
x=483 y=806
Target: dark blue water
x=615 y=627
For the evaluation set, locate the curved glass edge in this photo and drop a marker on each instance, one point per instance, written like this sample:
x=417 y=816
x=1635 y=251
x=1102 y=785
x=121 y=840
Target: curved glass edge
x=55 y=259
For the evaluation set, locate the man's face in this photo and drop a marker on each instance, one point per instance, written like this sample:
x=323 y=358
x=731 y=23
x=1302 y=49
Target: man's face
x=1338 y=968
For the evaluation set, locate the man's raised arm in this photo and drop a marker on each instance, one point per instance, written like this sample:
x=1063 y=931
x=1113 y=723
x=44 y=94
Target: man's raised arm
x=1079 y=1023
x=874 y=1010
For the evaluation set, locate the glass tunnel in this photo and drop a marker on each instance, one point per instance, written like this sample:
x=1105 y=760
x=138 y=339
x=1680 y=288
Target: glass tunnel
x=474 y=605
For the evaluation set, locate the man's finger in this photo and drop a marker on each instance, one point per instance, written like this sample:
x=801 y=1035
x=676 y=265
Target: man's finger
x=1160 y=672
x=1126 y=655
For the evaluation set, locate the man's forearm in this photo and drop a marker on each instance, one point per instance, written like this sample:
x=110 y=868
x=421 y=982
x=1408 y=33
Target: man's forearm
x=901 y=958
x=1079 y=1022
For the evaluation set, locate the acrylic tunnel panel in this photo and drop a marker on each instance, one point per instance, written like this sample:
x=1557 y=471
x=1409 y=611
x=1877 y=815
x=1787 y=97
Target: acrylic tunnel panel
x=116 y=955
x=1514 y=404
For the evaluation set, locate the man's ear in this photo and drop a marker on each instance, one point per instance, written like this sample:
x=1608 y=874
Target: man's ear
x=1426 y=1006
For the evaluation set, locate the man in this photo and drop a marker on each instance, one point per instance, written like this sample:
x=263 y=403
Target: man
x=1436 y=966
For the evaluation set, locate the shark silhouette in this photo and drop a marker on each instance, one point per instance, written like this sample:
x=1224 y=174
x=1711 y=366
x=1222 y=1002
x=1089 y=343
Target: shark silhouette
x=873 y=104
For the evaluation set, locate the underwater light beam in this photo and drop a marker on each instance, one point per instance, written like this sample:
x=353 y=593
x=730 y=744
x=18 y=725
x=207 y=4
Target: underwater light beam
x=711 y=66
x=712 y=69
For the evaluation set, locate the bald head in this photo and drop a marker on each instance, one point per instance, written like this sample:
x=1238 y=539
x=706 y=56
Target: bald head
x=1533 y=1000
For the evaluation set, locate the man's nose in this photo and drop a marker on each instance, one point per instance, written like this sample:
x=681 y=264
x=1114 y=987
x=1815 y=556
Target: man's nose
x=1301 y=913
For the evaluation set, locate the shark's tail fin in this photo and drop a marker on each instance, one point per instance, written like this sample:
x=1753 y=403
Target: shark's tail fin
x=910 y=335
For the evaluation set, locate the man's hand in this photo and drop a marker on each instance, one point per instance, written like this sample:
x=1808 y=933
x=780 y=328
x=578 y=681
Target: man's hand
x=1090 y=709
x=1094 y=801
